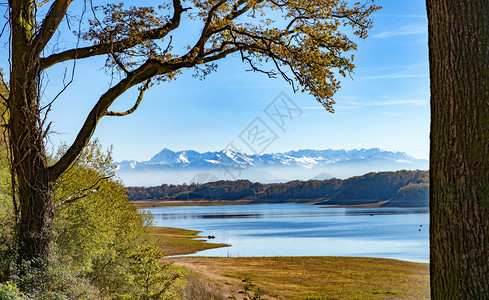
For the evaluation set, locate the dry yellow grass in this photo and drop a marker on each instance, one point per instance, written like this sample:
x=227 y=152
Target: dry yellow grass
x=314 y=277
x=297 y=277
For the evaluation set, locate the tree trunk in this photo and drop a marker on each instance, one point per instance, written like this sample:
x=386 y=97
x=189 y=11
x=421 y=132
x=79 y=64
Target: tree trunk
x=26 y=140
x=459 y=155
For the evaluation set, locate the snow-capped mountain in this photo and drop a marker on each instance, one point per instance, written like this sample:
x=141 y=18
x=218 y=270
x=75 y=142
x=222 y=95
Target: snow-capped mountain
x=183 y=166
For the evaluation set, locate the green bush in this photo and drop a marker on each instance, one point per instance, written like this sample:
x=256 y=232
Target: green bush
x=9 y=291
x=102 y=248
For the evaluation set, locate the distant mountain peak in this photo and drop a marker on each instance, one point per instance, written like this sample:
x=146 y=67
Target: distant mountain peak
x=163 y=155
x=290 y=165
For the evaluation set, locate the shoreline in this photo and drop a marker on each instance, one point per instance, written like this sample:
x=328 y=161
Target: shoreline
x=368 y=205
x=291 y=277
x=179 y=241
x=205 y=202
x=196 y=202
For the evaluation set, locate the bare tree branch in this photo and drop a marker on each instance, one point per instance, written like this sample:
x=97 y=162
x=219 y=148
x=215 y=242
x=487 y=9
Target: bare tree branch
x=220 y=55
x=42 y=3
x=119 y=63
x=5 y=99
x=56 y=13
x=74 y=198
x=146 y=71
x=138 y=101
x=82 y=193
x=204 y=36
x=207 y=33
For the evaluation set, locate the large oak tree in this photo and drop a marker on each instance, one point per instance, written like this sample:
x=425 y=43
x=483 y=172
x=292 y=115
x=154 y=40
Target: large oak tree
x=304 y=42
x=459 y=158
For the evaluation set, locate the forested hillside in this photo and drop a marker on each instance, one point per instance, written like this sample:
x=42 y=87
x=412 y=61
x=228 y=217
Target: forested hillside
x=402 y=188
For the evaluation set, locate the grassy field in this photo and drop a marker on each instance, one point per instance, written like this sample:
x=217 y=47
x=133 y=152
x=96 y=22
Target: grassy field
x=176 y=241
x=313 y=277
x=292 y=277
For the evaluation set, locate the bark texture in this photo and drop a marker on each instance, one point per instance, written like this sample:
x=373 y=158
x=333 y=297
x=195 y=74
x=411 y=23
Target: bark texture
x=26 y=139
x=459 y=157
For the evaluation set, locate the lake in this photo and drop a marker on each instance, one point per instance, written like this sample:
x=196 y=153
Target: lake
x=305 y=230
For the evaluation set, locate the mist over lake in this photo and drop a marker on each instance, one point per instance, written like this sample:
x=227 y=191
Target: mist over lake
x=305 y=230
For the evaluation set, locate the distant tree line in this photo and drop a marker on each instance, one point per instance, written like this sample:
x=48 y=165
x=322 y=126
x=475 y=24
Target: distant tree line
x=404 y=188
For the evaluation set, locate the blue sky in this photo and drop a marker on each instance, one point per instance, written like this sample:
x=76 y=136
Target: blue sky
x=385 y=105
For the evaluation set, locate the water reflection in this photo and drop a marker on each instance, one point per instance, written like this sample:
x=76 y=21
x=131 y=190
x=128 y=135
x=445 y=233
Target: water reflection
x=294 y=229
x=287 y=214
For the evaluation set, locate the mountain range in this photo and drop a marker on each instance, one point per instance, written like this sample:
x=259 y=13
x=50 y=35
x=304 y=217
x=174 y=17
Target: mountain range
x=189 y=166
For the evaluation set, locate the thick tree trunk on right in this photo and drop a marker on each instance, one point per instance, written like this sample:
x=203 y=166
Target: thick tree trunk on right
x=459 y=158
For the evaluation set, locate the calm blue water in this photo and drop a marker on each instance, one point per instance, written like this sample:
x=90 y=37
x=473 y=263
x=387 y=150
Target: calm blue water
x=305 y=230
